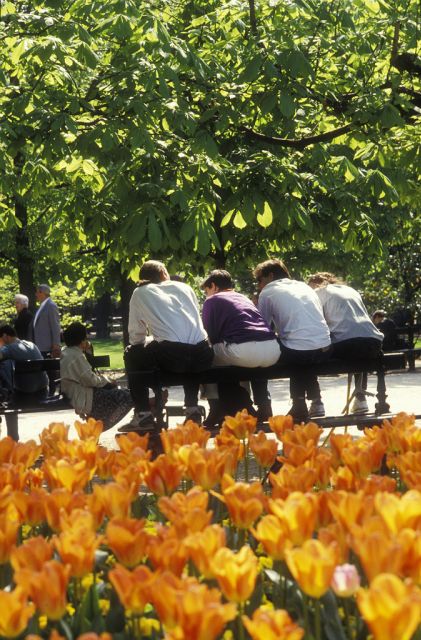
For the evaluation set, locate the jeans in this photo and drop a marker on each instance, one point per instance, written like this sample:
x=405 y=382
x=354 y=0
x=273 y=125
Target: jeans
x=169 y=356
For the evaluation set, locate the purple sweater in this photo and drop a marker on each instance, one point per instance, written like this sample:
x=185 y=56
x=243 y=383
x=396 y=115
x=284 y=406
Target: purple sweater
x=230 y=317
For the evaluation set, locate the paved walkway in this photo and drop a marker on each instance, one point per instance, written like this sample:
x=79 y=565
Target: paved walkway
x=404 y=394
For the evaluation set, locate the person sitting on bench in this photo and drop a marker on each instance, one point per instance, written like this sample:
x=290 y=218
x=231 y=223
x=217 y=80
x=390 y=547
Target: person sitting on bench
x=297 y=314
x=90 y=394
x=22 y=388
x=240 y=337
x=170 y=311
x=353 y=334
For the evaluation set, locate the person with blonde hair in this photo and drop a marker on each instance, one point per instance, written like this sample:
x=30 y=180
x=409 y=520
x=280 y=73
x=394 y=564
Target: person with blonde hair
x=353 y=334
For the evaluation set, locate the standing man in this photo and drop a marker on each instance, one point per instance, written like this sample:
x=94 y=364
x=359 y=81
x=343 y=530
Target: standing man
x=46 y=327
x=296 y=311
x=169 y=310
x=23 y=319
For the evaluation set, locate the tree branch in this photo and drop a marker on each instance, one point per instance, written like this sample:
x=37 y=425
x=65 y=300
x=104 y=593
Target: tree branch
x=301 y=143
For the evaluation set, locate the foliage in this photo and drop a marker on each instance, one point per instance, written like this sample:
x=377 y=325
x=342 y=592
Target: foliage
x=205 y=133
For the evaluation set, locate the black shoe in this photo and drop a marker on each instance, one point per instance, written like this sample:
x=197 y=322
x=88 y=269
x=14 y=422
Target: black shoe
x=299 y=411
x=195 y=414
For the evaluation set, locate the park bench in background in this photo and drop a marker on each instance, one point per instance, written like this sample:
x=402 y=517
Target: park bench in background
x=11 y=411
x=379 y=366
x=410 y=334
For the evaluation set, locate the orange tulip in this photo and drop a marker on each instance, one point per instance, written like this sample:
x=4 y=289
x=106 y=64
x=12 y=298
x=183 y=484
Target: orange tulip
x=322 y=464
x=244 y=501
x=189 y=433
x=399 y=512
x=391 y=608
x=304 y=435
x=6 y=447
x=115 y=498
x=350 y=508
x=364 y=457
x=78 y=542
x=127 y=539
x=344 y=480
x=134 y=588
x=199 y=612
x=338 y=442
x=236 y=573
x=290 y=478
x=280 y=424
x=104 y=462
x=35 y=507
x=186 y=512
x=79 y=451
x=91 y=429
x=264 y=449
x=204 y=466
x=46 y=588
x=242 y=425
x=12 y=477
x=8 y=534
x=163 y=475
x=272 y=625
x=131 y=441
x=167 y=552
x=15 y=612
x=336 y=533
x=25 y=453
x=32 y=554
x=164 y=597
x=72 y=476
x=312 y=566
x=202 y=547
x=299 y=513
x=297 y=454
x=131 y=475
x=377 y=551
x=56 y=432
x=375 y=484
x=273 y=534
x=59 y=501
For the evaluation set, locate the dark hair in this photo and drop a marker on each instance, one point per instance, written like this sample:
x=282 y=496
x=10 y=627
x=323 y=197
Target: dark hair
x=220 y=278
x=7 y=329
x=74 y=334
x=323 y=278
x=275 y=267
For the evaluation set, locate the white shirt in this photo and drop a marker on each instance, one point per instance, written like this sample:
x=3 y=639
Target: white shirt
x=296 y=311
x=346 y=314
x=169 y=310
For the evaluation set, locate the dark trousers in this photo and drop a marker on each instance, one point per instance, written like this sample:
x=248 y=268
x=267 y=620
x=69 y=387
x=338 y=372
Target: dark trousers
x=358 y=349
x=169 y=356
x=305 y=384
x=52 y=375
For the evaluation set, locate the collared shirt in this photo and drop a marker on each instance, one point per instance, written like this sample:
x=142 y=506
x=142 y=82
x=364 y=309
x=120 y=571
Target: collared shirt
x=43 y=303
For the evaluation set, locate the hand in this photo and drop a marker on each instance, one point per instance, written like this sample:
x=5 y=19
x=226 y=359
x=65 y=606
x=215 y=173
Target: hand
x=55 y=351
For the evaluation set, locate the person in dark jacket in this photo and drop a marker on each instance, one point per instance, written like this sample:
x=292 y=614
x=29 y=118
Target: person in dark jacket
x=23 y=320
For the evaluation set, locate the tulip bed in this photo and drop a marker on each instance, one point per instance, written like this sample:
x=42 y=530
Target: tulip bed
x=100 y=544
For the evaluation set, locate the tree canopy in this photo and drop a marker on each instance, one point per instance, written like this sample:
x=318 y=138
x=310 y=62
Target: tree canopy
x=203 y=132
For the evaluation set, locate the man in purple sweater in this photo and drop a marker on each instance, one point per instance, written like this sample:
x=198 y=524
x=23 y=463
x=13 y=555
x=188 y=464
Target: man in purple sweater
x=240 y=337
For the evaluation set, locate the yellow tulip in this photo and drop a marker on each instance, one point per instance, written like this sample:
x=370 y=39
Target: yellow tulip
x=236 y=573
x=312 y=566
x=72 y=476
x=15 y=612
x=391 y=608
x=399 y=512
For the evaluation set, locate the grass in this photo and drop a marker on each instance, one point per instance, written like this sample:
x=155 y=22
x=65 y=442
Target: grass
x=112 y=347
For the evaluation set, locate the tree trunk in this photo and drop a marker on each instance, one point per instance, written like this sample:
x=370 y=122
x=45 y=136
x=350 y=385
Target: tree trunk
x=102 y=314
x=24 y=257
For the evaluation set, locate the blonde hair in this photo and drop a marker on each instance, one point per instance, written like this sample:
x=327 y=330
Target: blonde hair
x=322 y=279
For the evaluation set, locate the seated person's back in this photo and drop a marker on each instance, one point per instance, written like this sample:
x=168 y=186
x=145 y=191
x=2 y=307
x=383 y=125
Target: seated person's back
x=12 y=349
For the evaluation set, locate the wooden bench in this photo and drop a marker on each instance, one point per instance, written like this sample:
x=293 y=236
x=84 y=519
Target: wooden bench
x=11 y=410
x=379 y=366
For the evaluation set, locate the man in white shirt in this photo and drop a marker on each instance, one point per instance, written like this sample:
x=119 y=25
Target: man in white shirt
x=296 y=313
x=169 y=310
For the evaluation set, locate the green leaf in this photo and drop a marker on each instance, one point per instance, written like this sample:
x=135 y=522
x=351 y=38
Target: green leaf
x=251 y=71
x=298 y=64
x=390 y=117
x=122 y=28
x=188 y=229
x=86 y=55
x=239 y=221
x=286 y=105
x=265 y=219
x=154 y=233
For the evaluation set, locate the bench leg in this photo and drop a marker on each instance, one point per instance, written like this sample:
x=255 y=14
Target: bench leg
x=381 y=406
x=12 y=426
